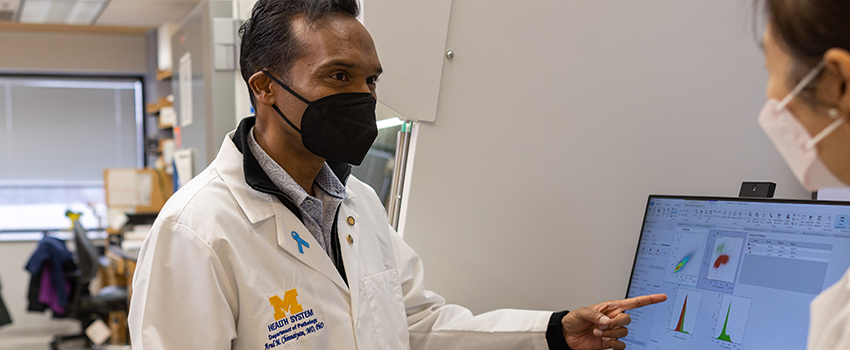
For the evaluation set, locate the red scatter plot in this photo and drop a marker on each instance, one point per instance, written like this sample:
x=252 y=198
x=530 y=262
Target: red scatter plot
x=721 y=260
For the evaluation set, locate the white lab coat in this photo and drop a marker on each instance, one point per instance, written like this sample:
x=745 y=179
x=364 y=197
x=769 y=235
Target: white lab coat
x=220 y=252
x=829 y=327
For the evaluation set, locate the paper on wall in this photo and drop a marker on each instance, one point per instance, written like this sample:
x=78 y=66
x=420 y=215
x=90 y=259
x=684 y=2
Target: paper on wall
x=184 y=165
x=122 y=187
x=168 y=147
x=144 y=188
x=185 y=87
x=127 y=189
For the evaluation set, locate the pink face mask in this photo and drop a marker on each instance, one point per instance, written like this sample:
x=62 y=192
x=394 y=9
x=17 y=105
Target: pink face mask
x=793 y=141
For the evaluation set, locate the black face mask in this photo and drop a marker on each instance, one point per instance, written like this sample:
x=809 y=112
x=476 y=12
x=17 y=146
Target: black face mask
x=339 y=127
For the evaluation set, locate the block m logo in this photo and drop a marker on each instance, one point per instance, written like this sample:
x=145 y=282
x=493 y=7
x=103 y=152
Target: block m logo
x=289 y=304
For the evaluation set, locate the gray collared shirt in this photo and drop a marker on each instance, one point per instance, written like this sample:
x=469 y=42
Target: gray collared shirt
x=318 y=213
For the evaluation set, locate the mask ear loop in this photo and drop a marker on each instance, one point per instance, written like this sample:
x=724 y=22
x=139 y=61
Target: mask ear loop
x=286 y=119
x=285 y=87
x=829 y=129
x=800 y=86
x=291 y=92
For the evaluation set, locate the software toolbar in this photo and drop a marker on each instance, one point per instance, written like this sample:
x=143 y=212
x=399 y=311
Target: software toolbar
x=749 y=215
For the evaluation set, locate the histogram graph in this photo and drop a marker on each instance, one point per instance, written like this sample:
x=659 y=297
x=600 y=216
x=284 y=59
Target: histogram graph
x=680 y=326
x=683 y=318
x=732 y=319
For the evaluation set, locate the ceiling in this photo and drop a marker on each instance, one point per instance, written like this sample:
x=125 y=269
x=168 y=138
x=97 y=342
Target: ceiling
x=145 y=13
x=125 y=13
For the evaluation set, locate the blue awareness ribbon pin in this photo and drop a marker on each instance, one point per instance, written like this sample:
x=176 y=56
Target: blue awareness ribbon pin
x=301 y=242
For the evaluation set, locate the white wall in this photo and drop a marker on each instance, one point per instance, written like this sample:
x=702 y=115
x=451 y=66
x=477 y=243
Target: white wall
x=39 y=52
x=557 y=119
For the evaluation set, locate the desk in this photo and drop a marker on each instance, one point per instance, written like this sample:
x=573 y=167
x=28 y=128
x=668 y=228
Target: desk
x=123 y=266
x=120 y=273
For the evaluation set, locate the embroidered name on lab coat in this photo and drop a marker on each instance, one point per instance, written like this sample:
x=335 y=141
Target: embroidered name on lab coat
x=300 y=323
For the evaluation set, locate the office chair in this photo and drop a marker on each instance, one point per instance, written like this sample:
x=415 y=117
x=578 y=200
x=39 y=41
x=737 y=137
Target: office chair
x=83 y=306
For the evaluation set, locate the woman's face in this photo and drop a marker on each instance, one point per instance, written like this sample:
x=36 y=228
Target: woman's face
x=828 y=91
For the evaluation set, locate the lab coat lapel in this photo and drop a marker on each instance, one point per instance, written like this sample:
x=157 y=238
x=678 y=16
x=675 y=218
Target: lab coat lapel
x=255 y=204
x=312 y=256
x=350 y=251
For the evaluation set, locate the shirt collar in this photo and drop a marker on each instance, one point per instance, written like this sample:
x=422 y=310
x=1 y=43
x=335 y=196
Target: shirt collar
x=329 y=183
x=326 y=179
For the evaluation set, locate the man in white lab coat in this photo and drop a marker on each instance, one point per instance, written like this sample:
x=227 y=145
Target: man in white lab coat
x=276 y=246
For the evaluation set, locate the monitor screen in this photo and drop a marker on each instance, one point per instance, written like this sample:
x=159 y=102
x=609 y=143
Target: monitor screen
x=739 y=273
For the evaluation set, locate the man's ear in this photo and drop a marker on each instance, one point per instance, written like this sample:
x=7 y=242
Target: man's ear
x=260 y=84
x=840 y=59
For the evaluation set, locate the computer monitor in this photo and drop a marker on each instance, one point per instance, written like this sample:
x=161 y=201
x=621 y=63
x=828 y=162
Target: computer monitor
x=739 y=272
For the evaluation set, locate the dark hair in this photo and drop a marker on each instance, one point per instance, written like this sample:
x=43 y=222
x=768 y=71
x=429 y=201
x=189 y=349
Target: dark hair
x=806 y=29
x=267 y=38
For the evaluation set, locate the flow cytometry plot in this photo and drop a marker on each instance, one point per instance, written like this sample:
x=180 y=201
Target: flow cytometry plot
x=724 y=258
x=733 y=319
x=688 y=253
x=683 y=319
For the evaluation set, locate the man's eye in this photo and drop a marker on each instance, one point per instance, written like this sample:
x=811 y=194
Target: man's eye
x=339 y=76
x=371 y=80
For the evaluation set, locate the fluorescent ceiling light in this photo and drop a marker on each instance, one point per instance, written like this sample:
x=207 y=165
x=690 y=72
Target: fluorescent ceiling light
x=388 y=123
x=84 y=12
x=61 y=11
x=35 y=11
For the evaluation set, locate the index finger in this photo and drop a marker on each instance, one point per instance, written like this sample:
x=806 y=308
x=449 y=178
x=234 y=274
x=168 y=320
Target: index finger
x=641 y=301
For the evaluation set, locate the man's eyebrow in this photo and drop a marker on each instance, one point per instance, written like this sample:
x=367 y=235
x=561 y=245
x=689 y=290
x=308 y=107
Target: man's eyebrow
x=338 y=63
x=346 y=64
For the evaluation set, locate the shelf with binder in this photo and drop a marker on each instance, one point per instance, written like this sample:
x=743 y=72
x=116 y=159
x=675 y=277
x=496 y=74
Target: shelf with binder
x=164 y=109
x=160 y=140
